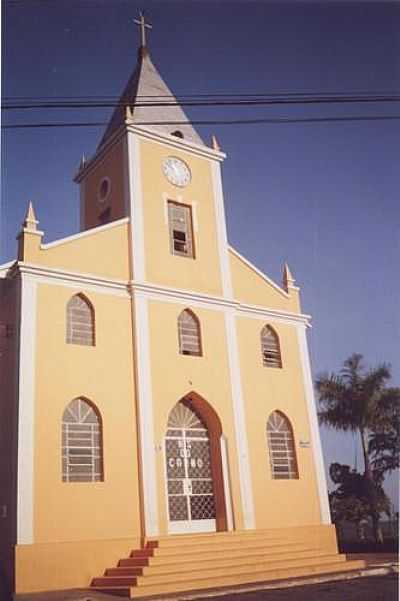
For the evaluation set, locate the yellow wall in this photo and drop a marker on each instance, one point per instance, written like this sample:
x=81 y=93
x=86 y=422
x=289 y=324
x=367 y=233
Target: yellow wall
x=67 y=511
x=174 y=375
x=103 y=253
x=111 y=166
x=54 y=566
x=203 y=273
x=267 y=389
x=249 y=287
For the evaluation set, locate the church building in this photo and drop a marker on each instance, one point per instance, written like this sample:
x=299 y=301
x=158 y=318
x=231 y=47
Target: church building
x=158 y=424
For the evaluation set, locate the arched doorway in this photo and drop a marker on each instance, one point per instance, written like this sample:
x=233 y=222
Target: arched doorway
x=195 y=490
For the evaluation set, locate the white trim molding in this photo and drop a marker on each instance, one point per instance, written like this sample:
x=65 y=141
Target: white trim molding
x=136 y=208
x=227 y=482
x=313 y=420
x=246 y=490
x=50 y=275
x=200 y=299
x=26 y=413
x=145 y=410
x=222 y=239
x=178 y=143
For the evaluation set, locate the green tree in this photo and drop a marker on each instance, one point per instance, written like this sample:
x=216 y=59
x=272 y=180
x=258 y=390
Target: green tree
x=358 y=400
x=350 y=502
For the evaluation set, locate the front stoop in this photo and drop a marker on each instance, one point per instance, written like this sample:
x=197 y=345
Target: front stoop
x=184 y=563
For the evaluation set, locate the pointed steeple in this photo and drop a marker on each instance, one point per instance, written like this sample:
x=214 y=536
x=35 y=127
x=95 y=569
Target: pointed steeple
x=30 y=222
x=145 y=89
x=288 y=279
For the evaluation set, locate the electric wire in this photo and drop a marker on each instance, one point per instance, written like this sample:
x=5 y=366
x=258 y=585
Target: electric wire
x=154 y=101
x=213 y=122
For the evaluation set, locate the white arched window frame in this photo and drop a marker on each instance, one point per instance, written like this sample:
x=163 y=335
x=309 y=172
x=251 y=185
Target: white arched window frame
x=270 y=348
x=82 y=444
x=281 y=447
x=189 y=334
x=80 y=321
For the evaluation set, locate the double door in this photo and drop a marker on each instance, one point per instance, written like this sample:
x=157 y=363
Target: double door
x=191 y=503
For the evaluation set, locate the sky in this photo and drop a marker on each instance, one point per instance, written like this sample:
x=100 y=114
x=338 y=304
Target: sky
x=322 y=196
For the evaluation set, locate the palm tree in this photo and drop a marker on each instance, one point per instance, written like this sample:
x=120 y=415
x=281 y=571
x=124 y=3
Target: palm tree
x=353 y=400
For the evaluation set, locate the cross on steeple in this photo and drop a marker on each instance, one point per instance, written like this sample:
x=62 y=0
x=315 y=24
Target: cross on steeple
x=142 y=24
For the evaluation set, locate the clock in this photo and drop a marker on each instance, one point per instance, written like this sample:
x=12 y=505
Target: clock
x=176 y=172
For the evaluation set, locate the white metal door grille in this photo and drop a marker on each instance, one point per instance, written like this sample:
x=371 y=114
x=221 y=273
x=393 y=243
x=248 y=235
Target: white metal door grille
x=188 y=469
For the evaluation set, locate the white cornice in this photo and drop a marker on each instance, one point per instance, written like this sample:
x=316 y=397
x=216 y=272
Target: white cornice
x=178 y=295
x=178 y=143
x=156 y=292
x=70 y=278
x=90 y=232
x=258 y=272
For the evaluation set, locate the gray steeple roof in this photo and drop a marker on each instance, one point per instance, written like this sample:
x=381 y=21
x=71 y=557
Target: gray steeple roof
x=146 y=86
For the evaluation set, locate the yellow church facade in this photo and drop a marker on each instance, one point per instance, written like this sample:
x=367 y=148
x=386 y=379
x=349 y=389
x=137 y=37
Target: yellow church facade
x=156 y=383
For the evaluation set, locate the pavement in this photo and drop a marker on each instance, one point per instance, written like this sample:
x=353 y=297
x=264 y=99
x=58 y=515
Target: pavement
x=378 y=582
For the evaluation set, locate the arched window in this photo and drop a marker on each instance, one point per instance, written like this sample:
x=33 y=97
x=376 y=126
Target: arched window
x=189 y=334
x=80 y=321
x=282 y=452
x=82 y=447
x=270 y=348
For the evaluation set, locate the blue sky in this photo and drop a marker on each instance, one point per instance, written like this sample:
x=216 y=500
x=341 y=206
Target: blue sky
x=323 y=196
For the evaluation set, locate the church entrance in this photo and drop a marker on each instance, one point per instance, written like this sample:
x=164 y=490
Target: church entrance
x=189 y=472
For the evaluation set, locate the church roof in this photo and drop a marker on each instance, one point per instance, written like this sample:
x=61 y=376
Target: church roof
x=146 y=86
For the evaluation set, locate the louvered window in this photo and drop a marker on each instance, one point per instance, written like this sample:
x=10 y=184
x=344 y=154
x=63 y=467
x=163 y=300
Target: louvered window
x=80 y=321
x=270 y=348
x=282 y=453
x=180 y=229
x=82 y=456
x=189 y=334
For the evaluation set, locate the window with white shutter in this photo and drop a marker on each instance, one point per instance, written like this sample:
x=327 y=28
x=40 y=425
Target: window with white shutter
x=180 y=229
x=270 y=347
x=189 y=334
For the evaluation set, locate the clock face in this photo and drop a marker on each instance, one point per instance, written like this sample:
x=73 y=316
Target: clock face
x=177 y=172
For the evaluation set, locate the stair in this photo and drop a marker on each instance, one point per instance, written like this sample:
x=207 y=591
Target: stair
x=189 y=563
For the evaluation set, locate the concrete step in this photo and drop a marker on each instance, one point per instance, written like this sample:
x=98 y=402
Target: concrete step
x=156 y=576
x=222 y=547
x=233 y=563
x=192 y=558
x=215 y=538
x=127 y=571
x=251 y=576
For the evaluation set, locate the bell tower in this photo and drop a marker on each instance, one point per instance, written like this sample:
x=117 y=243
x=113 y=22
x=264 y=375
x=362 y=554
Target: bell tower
x=152 y=166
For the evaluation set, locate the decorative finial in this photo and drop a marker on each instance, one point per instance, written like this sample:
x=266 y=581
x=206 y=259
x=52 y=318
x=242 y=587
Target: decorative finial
x=142 y=24
x=83 y=162
x=30 y=221
x=288 y=279
x=128 y=113
x=215 y=143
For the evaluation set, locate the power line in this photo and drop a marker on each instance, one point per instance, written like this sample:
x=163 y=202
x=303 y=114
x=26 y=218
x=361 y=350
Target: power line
x=214 y=122
x=275 y=100
x=363 y=93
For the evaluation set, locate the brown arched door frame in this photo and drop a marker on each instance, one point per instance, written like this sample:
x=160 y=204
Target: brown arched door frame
x=205 y=411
